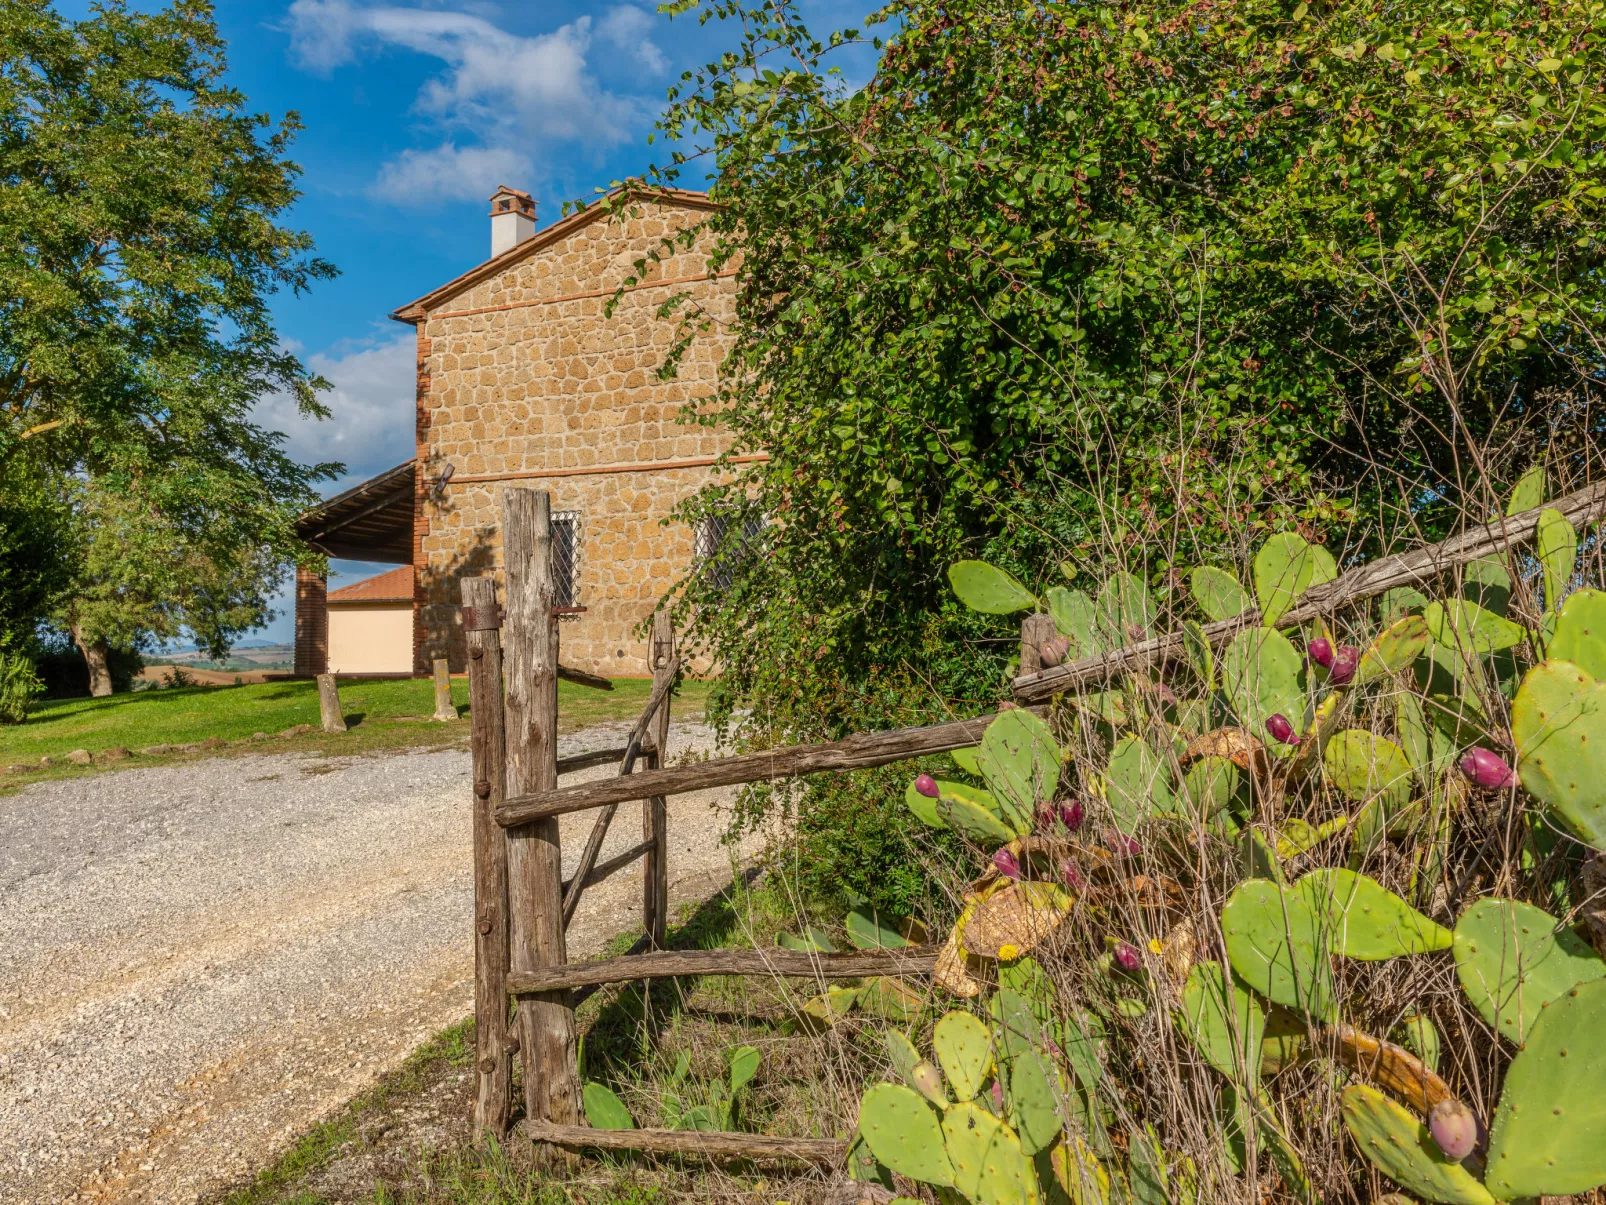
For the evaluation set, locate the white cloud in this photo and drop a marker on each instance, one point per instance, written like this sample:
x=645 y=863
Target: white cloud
x=501 y=95
x=627 y=28
x=372 y=404
x=451 y=173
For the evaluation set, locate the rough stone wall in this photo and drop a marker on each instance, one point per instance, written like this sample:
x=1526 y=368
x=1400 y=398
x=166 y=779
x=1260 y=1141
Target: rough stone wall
x=525 y=379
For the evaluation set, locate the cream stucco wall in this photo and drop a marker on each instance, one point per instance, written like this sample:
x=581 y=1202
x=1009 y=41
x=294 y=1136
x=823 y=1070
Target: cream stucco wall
x=371 y=638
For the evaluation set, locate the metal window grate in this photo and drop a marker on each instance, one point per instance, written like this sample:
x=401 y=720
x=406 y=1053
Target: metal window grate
x=723 y=541
x=566 y=558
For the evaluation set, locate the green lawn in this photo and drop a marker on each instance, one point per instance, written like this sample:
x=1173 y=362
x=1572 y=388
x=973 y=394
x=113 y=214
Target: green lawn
x=380 y=714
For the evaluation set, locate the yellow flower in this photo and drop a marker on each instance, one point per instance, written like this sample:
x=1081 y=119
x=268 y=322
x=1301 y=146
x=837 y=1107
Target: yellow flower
x=1008 y=952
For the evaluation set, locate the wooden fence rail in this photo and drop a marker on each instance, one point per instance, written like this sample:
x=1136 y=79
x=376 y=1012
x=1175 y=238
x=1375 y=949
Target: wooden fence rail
x=522 y=907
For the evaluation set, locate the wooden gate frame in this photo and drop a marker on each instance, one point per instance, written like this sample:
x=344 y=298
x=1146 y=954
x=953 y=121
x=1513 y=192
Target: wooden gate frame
x=521 y=907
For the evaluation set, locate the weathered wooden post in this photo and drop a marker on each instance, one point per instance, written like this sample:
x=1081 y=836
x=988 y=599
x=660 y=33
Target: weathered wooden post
x=654 y=811
x=545 y=1023
x=443 y=687
x=1035 y=629
x=329 y=704
x=493 y=1095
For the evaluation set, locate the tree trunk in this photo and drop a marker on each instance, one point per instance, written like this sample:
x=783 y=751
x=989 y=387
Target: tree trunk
x=95 y=653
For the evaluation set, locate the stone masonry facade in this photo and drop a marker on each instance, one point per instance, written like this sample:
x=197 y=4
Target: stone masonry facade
x=524 y=380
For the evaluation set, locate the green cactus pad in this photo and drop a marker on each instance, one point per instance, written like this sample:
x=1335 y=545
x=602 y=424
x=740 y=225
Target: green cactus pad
x=1076 y=618
x=971 y=811
x=869 y=929
x=1275 y=943
x=1200 y=655
x=965 y=759
x=1556 y=546
x=1299 y=836
x=1260 y=673
x=1260 y=859
x=1137 y=783
x=1399 y=602
x=1580 y=635
x=1529 y=491
x=1216 y=791
x=1146 y=1169
x=988 y=1163
x=965 y=1049
x=1219 y=594
x=1547 y=1134
x=1394 y=650
x=1283 y=570
x=1558 y=721
x=1225 y=1022
x=1366 y=921
x=902 y=1052
x=604 y=1110
x=1399 y=1144
x=1427 y=748
x=812 y=939
x=1037 y=1090
x=905 y=1134
x=1513 y=959
x=1420 y=1036
x=1124 y=602
x=1020 y=760
x=1465 y=626
x=988 y=589
x=1486 y=582
x=1365 y=766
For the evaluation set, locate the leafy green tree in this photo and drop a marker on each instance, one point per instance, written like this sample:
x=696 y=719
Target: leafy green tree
x=1084 y=284
x=139 y=246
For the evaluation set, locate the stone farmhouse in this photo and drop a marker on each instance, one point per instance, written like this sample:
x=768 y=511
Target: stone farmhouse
x=525 y=380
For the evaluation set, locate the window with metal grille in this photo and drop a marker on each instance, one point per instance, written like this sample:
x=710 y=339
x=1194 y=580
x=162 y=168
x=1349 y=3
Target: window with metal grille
x=566 y=558
x=723 y=541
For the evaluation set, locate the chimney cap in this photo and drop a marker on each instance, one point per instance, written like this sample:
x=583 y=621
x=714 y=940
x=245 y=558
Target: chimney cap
x=511 y=200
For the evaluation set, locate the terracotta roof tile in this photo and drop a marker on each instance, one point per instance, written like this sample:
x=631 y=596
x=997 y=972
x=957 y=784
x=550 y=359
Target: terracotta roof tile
x=395 y=586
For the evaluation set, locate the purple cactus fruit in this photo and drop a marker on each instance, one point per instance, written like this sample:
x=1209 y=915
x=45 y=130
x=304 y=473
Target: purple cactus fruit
x=1279 y=729
x=1127 y=957
x=1344 y=664
x=1071 y=814
x=1054 y=651
x=1121 y=843
x=1008 y=864
x=1320 y=650
x=926 y=785
x=1454 y=1128
x=1487 y=769
x=1167 y=695
x=1072 y=876
x=998 y=1099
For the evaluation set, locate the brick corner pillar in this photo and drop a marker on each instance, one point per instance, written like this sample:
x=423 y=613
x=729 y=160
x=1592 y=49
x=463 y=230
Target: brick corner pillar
x=312 y=623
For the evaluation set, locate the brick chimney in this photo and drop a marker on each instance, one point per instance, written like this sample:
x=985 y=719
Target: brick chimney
x=512 y=219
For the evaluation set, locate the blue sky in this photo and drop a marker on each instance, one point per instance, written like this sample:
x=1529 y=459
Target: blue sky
x=413 y=114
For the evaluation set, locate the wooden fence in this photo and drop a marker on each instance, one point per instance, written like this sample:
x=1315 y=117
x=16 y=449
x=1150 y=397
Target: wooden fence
x=523 y=906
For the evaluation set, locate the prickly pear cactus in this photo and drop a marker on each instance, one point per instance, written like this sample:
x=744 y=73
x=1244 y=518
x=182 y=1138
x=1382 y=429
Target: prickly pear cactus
x=1556 y=546
x=1137 y=783
x=1393 y=651
x=1513 y=960
x=988 y=589
x=1367 y=922
x=1547 y=1134
x=1558 y=721
x=1126 y=610
x=1397 y=1141
x=1224 y=1019
x=1075 y=618
x=1218 y=593
x=964 y=1047
x=1365 y=766
x=1262 y=675
x=1285 y=567
x=1279 y=947
x=905 y=1133
x=1020 y=760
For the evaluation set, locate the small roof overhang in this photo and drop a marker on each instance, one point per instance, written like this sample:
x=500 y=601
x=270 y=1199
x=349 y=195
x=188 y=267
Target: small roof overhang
x=369 y=522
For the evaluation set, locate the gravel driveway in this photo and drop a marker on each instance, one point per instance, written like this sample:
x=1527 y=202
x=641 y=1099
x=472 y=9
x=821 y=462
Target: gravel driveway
x=198 y=962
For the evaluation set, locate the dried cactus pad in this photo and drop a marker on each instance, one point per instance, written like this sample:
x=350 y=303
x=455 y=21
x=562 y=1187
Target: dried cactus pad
x=1399 y=1145
x=1580 y=635
x=1558 y=721
x=905 y=1134
x=1513 y=959
x=1237 y=745
x=989 y=1166
x=1547 y=1138
x=964 y=1047
x=1367 y=921
x=1014 y=919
